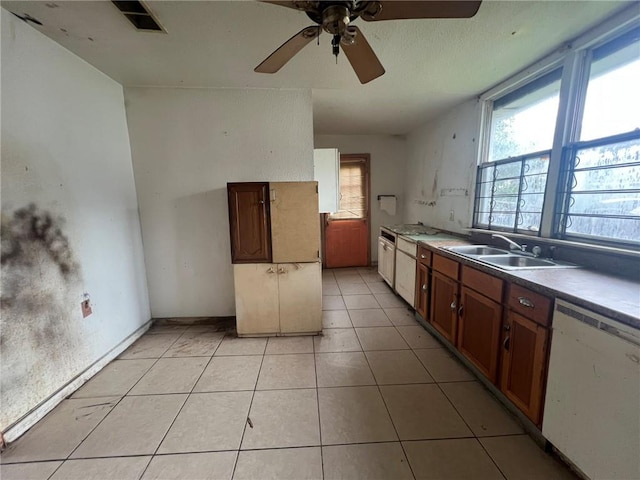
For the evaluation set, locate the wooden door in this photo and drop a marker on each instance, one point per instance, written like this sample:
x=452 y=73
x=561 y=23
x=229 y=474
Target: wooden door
x=444 y=305
x=295 y=222
x=257 y=310
x=422 y=290
x=346 y=232
x=479 y=327
x=249 y=222
x=300 y=292
x=524 y=354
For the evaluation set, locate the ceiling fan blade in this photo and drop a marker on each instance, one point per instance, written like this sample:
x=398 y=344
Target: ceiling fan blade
x=362 y=57
x=287 y=50
x=305 y=5
x=400 y=9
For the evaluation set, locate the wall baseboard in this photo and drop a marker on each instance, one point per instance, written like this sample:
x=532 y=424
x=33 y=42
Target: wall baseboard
x=28 y=420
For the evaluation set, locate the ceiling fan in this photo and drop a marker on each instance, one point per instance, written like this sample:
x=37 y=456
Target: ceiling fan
x=335 y=18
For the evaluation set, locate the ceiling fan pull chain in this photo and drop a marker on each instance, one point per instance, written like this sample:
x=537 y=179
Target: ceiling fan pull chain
x=335 y=45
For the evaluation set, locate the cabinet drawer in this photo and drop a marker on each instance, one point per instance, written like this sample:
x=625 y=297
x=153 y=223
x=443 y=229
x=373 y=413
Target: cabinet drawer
x=530 y=304
x=424 y=256
x=483 y=283
x=445 y=266
x=407 y=247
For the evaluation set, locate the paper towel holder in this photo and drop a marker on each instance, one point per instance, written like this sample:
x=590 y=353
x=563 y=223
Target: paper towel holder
x=380 y=196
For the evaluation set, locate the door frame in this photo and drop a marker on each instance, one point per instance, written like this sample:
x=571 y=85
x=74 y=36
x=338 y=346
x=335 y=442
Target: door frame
x=367 y=165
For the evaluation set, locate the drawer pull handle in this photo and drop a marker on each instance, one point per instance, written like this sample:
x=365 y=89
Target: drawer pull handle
x=505 y=344
x=461 y=311
x=524 y=301
x=271 y=270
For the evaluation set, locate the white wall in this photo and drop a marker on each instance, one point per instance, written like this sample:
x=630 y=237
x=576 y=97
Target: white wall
x=440 y=167
x=186 y=145
x=388 y=159
x=70 y=220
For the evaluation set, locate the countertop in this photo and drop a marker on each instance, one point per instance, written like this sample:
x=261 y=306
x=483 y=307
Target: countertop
x=615 y=297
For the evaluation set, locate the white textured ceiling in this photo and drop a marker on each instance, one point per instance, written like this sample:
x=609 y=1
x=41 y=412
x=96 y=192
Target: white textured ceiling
x=431 y=65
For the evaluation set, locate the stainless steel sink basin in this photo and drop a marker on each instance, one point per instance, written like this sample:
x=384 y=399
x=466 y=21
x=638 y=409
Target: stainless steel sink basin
x=477 y=250
x=519 y=262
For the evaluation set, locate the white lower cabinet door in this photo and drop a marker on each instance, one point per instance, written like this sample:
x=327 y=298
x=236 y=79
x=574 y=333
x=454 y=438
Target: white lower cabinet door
x=257 y=309
x=406 y=277
x=300 y=294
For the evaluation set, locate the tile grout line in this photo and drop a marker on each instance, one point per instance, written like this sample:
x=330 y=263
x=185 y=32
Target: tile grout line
x=246 y=422
x=315 y=369
x=114 y=407
x=387 y=410
x=183 y=403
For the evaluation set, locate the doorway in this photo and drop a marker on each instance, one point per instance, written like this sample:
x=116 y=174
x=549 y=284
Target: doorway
x=346 y=232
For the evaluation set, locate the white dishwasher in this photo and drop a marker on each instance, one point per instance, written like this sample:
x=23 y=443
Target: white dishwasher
x=406 y=269
x=387 y=257
x=592 y=406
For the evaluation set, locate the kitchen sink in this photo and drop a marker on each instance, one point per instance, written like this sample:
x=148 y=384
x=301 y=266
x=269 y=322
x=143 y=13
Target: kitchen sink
x=477 y=250
x=520 y=262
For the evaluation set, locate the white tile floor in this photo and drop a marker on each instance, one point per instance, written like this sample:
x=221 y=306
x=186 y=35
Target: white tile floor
x=375 y=397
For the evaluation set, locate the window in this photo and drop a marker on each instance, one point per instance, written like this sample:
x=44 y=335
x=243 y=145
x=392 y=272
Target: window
x=510 y=188
x=601 y=183
x=353 y=196
x=589 y=138
x=523 y=121
x=510 y=193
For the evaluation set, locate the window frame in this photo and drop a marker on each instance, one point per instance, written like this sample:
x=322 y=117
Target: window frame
x=575 y=59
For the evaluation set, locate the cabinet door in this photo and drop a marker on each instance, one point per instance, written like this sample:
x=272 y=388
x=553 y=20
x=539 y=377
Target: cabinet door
x=295 y=222
x=326 y=171
x=257 y=311
x=422 y=290
x=406 y=276
x=386 y=260
x=524 y=353
x=444 y=305
x=479 y=323
x=300 y=293
x=249 y=222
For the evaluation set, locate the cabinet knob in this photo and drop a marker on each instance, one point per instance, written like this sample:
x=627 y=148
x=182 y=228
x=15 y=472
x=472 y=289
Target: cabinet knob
x=507 y=327
x=524 y=301
x=282 y=270
x=423 y=256
x=453 y=306
x=424 y=287
x=271 y=270
x=261 y=202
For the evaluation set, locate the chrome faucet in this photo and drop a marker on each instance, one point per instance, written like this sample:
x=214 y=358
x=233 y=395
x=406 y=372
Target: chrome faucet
x=512 y=245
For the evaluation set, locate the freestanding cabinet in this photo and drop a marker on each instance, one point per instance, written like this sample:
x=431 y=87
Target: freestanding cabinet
x=275 y=249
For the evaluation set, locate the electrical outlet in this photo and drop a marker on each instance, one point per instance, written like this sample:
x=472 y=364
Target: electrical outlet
x=451 y=216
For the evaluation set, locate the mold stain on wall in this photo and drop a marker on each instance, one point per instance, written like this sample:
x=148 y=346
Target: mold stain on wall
x=40 y=324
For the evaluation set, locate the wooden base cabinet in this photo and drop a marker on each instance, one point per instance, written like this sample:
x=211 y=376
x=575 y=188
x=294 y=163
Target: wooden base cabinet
x=525 y=350
x=479 y=323
x=444 y=305
x=423 y=279
x=524 y=360
x=480 y=320
x=278 y=299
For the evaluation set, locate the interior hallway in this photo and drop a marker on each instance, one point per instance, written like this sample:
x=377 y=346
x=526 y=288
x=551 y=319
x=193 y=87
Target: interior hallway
x=376 y=397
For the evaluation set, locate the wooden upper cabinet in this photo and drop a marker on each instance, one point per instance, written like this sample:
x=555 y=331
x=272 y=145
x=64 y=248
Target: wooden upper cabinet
x=249 y=222
x=295 y=222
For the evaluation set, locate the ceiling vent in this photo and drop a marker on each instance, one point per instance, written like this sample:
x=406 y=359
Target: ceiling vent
x=139 y=15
